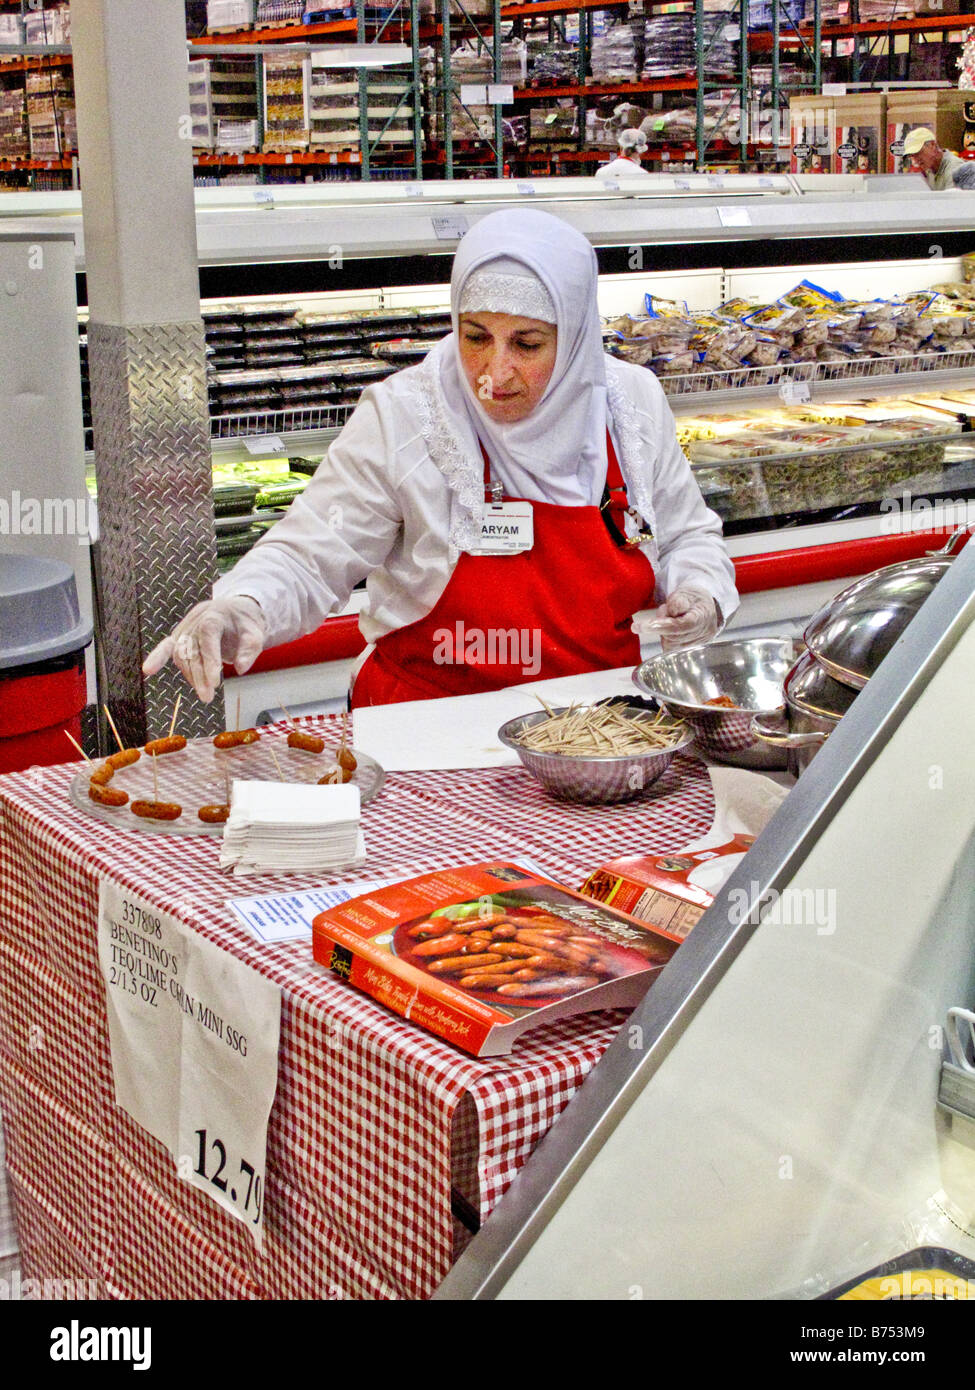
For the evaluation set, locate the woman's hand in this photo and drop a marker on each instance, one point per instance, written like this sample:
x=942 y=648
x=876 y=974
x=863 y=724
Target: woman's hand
x=688 y=617
x=222 y=630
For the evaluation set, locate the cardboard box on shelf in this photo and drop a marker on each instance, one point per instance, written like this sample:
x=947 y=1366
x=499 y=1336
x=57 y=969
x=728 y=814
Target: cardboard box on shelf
x=858 y=133
x=941 y=109
x=929 y=62
x=811 y=130
x=230 y=14
x=11 y=29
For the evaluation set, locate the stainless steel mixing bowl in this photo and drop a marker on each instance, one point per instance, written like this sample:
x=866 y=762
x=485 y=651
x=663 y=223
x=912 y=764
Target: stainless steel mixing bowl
x=751 y=673
x=590 y=779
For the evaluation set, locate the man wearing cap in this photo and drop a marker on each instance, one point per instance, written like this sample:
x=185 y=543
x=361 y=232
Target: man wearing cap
x=927 y=156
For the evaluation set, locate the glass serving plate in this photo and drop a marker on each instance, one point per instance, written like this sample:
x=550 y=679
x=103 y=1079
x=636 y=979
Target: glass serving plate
x=198 y=776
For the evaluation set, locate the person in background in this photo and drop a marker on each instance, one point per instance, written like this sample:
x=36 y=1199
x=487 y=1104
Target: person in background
x=928 y=158
x=632 y=145
x=964 y=175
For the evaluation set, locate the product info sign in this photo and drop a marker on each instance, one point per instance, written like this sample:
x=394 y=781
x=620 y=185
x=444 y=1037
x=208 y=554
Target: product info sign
x=194 y=1040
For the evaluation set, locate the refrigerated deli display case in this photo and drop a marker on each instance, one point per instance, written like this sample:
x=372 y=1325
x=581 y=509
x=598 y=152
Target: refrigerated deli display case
x=811 y=334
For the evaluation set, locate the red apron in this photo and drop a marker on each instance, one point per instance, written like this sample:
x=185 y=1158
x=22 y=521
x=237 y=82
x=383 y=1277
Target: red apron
x=563 y=607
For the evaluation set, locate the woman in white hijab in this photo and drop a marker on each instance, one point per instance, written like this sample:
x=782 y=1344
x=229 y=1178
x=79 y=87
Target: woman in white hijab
x=513 y=500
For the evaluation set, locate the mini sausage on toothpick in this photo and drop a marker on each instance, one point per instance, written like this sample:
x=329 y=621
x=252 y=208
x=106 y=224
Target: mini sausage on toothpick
x=233 y=738
x=219 y=811
x=156 y=809
x=170 y=744
x=125 y=756
x=345 y=757
x=308 y=743
x=98 y=789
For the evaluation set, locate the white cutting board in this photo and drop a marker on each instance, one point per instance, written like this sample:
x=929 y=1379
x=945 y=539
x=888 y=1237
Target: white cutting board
x=462 y=731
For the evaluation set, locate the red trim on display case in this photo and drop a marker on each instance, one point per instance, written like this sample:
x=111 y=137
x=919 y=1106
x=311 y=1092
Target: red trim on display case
x=339 y=639
x=812 y=564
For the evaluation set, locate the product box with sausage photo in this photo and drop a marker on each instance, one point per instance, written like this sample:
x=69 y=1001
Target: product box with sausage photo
x=480 y=954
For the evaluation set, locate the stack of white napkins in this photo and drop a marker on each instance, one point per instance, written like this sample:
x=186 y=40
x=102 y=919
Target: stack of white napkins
x=287 y=827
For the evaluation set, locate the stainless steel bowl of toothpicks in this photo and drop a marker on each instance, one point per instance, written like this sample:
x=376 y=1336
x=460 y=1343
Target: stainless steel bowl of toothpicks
x=600 y=753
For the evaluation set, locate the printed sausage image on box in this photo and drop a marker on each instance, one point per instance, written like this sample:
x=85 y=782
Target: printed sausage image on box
x=481 y=954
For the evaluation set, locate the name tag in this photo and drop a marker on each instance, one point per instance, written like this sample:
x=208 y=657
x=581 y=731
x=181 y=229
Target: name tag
x=506 y=529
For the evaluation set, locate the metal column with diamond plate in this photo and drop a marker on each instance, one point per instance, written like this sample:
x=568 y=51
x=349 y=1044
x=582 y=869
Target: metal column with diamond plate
x=146 y=350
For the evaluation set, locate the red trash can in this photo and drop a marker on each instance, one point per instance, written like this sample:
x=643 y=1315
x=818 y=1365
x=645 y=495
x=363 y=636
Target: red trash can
x=43 y=637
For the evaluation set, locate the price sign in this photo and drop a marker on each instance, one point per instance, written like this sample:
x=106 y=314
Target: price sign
x=449 y=228
x=194 y=1042
x=795 y=392
x=265 y=444
x=734 y=217
x=264 y=197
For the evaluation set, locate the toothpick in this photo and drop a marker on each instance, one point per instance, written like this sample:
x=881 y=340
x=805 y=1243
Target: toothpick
x=155 y=780
x=237 y=725
x=108 y=716
x=287 y=715
x=79 y=748
x=172 y=722
x=281 y=775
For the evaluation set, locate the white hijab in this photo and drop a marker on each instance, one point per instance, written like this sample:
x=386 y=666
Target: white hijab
x=557 y=453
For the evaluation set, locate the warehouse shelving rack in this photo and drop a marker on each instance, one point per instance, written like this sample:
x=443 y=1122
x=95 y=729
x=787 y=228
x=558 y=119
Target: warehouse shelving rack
x=400 y=20
x=457 y=25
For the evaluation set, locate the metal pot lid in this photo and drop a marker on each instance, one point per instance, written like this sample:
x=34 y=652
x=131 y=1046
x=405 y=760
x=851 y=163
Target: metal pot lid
x=853 y=633
x=810 y=689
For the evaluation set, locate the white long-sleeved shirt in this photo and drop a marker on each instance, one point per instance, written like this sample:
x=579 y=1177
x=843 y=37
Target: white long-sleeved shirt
x=379 y=506
x=622 y=168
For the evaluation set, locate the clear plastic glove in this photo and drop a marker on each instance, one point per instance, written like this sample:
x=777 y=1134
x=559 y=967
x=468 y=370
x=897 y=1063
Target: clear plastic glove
x=689 y=616
x=222 y=630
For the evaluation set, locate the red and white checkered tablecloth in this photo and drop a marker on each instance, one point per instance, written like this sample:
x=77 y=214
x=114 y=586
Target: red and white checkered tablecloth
x=375 y=1121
